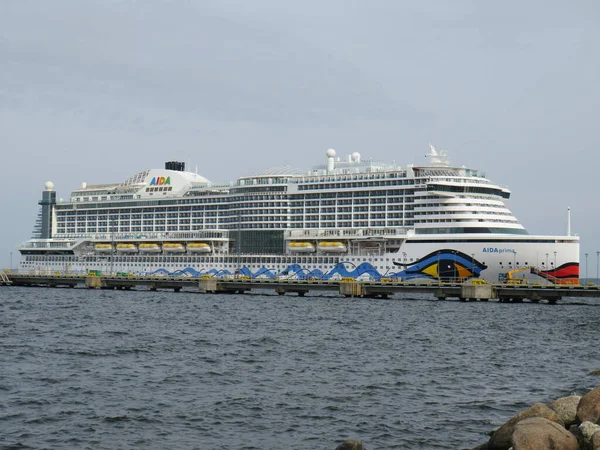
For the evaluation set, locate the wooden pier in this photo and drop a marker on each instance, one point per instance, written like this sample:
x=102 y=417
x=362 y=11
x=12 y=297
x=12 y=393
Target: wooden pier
x=466 y=291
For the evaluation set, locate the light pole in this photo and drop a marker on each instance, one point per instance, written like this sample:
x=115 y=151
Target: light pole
x=343 y=263
x=454 y=277
x=586 y=266
x=554 y=260
x=597 y=266
x=112 y=246
x=301 y=272
x=11 y=261
x=238 y=245
x=514 y=260
x=270 y=272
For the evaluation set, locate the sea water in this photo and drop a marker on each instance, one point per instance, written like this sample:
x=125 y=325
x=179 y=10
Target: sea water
x=106 y=369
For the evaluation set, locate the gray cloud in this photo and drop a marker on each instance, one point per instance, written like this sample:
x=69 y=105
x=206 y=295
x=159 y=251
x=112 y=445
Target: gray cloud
x=97 y=90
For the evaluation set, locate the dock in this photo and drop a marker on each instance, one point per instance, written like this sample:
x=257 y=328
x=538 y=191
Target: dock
x=4 y=280
x=471 y=290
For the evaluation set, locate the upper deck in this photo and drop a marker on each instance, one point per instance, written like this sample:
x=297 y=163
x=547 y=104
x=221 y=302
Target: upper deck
x=350 y=194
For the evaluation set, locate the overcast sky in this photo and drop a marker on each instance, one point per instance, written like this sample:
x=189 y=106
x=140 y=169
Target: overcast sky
x=97 y=90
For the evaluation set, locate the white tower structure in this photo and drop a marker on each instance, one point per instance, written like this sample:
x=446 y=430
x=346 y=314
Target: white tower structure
x=330 y=160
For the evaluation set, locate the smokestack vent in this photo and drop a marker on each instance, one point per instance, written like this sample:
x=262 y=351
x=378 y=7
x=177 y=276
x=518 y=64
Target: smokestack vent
x=179 y=166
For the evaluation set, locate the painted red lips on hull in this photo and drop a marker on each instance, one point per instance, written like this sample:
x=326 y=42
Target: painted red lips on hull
x=566 y=274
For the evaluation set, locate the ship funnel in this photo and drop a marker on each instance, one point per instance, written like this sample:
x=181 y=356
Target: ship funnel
x=178 y=166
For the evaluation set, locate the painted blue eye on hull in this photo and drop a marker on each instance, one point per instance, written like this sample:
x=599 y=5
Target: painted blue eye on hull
x=446 y=264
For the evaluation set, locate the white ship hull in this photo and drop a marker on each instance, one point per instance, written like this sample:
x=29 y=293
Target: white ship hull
x=547 y=261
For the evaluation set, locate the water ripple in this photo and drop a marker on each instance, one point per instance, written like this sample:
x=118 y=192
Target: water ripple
x=111 y=369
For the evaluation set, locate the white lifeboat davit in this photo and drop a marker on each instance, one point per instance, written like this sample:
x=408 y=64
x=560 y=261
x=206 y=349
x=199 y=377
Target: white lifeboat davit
x=172 y=247
x=301 y=247
x=198 y=247
x=127 y=248
x=103 y=248
x=149 y=248
x=332 y=247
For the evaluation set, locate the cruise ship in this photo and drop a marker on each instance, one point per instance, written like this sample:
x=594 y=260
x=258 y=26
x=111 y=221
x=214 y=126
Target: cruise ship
x=346 y=218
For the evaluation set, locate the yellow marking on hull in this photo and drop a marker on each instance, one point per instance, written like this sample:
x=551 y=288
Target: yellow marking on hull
x=431 y=270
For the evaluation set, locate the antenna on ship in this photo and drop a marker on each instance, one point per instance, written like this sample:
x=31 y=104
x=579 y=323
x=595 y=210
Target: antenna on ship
x=437 y=158
x=569 y=221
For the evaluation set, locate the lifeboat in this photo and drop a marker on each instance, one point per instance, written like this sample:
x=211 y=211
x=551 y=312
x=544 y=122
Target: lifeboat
x=172 y=247
x=332 y=247
x=301 y=247
x=103 y=248
x=198 y=247
x=127 y=248
x=149 y=248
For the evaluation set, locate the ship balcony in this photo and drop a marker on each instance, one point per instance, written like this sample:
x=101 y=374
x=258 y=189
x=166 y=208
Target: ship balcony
x=422 y=225
x=213 y=235
x=464 y=216
x=458 y=208
x=46 y=245
x=346 y=233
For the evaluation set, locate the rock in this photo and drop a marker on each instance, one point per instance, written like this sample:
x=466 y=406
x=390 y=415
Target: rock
x=588 y=409
x=351 y=444
x=575 y=431
x=538 y=433
x=596 y=441
x=566 y=408
x=501 y=439
x=588 y=430
x=595 y=372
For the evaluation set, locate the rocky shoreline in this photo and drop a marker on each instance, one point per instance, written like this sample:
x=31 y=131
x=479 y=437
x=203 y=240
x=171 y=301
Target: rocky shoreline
x=568 y=423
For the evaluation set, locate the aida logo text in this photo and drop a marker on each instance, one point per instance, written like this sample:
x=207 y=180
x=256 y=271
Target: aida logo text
x=160 y=181
x=498 y=250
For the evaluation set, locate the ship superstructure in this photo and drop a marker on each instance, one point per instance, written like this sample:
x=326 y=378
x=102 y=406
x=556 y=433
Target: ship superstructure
x=347 y=217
